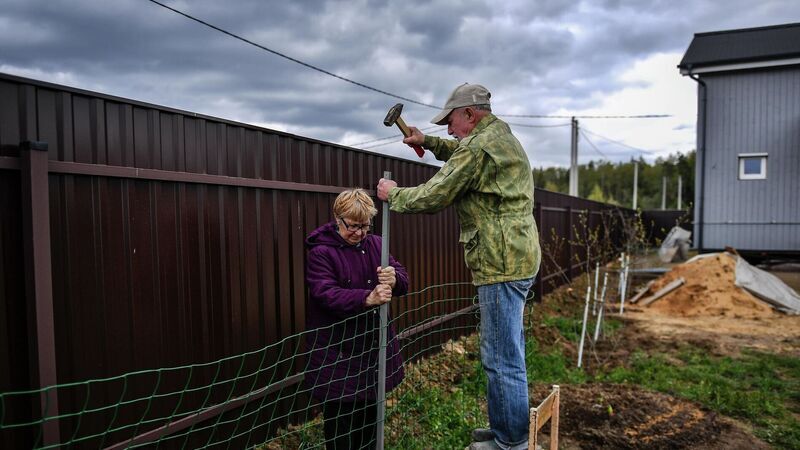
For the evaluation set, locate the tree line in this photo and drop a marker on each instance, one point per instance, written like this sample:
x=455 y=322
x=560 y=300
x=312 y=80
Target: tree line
x=609 y=182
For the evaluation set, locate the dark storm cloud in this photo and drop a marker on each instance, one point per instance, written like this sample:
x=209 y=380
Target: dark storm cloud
x=536 y=57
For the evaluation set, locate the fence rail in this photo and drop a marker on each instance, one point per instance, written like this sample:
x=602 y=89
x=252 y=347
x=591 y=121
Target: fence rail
x=154 y=237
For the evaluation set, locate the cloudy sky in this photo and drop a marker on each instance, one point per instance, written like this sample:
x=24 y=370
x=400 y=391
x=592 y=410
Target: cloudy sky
x=543 y=57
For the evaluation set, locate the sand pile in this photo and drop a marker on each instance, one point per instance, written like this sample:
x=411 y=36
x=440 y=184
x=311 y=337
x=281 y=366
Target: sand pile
x=709 y=291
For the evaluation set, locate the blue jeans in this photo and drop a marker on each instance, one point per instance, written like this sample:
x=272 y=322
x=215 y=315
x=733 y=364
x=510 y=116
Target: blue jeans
x=503 y=359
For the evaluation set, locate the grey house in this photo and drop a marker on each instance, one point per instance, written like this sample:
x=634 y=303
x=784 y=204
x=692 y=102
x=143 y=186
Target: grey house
x=747 y=185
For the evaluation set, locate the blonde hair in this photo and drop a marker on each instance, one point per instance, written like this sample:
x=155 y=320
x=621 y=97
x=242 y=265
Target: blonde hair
x=354 y=204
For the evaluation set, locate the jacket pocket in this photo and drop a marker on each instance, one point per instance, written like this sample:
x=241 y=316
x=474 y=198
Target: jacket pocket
x=471 y=240
x=522 y=255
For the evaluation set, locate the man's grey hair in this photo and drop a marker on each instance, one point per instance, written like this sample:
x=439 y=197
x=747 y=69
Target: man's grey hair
x=483 y=107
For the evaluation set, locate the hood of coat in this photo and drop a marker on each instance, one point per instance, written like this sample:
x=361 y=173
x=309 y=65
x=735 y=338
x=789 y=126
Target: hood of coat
x=328 y=235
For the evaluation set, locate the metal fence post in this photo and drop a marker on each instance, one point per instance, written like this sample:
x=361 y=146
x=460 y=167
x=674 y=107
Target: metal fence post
x=585 y=318
x=384 y=312
x=568 y=234
x=39 y=282
x=540 y=226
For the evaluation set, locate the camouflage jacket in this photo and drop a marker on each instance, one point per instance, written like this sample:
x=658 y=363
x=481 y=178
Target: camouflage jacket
x=488 y=177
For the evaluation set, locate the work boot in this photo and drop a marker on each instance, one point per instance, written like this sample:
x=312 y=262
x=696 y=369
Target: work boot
x=492 y=445
x=482 y=434
x=485 y=445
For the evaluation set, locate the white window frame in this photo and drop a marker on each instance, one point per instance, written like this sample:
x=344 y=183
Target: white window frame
x=753 y=176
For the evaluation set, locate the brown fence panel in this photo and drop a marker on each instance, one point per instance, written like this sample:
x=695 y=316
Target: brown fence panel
x=659 y=222
x=178 y=238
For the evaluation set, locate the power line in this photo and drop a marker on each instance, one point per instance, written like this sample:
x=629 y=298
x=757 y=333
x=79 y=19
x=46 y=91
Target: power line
x=618 y=142
x=442 y=128
x=380 y=91
x=277 y=53
x=539 y=126
x=586 y=138
x=394 y=136
x=542 y=116
x=393 y=142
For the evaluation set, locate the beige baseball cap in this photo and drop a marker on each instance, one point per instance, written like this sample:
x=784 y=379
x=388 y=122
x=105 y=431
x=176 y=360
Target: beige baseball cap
x=464 y=95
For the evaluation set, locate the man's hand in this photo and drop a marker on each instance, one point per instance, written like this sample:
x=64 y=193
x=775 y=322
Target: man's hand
x=416 y=138
x=384 y=187
x=387 y=276
x=380 y=295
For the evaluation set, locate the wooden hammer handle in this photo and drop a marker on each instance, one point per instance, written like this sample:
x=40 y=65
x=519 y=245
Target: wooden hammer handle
x=407 y=132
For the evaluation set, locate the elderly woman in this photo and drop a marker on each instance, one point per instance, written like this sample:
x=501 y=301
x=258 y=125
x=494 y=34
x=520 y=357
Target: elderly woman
x=346 y=285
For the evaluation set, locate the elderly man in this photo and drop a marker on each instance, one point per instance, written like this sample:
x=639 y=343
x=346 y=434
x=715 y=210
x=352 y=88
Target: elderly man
x=487 y=176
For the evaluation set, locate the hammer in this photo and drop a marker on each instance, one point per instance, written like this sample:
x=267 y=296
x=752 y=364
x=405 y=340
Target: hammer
x=393 y=117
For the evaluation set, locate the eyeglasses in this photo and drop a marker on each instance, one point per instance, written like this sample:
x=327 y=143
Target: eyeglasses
x=353 y=227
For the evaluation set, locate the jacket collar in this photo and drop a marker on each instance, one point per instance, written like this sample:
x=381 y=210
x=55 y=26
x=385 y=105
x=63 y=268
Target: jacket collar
x=483 y=124
x=328 y=235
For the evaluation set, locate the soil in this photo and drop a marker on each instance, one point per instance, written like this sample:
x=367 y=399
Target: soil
x=710 y=307
x=709 y=291
x=708 y=312
x=605 y=416
x=609 y=416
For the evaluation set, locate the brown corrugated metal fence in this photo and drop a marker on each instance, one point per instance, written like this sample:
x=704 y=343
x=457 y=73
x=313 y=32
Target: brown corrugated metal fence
x=173 y=238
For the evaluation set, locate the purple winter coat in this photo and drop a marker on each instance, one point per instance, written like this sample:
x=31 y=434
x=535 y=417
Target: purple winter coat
x=342 y=333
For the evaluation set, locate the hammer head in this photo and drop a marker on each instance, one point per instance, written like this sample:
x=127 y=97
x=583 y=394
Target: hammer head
x=393 y=114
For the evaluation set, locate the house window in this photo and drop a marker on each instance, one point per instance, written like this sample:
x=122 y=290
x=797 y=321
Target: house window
x=752 y=166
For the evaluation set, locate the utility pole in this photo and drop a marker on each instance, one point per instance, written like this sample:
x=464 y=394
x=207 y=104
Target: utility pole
x=635 y=182
x=663 y=193
x=679 y=191
x=573 y=161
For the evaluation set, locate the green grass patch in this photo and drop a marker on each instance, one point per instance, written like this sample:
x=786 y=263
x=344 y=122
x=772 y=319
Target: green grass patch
x=570 y=327
x=444 y=419
x=551 y=367
x=758 y=387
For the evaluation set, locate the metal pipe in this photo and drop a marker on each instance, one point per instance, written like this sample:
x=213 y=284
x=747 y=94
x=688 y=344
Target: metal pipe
x=384 y=313
x=702 y=153
x=596 y=279
x=602 y=309
x=624 y=284
x=585 y=318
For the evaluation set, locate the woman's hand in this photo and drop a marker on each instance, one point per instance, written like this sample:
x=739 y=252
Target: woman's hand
x=380 y=295
x=387 y=276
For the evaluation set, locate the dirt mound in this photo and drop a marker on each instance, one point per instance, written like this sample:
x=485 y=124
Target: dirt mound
x=709 y=291
x=605 y=416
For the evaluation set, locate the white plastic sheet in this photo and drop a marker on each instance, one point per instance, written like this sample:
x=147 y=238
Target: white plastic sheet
x=675 y=244
x=767 y=287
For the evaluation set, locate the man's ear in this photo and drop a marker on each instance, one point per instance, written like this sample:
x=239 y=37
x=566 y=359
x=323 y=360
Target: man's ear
x=470 y=113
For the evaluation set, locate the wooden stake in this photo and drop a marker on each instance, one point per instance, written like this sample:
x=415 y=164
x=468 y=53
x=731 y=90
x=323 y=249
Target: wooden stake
x=641 y=293
x=664 y=291
x=539 y=415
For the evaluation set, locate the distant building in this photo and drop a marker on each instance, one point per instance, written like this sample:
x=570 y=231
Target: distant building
x=747 y=186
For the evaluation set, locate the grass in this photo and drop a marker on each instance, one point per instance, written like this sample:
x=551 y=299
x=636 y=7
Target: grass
x=570 y=327
x=760 y=388
x=446 y=418
x=443 y=396
x=436 y=411
x=448 y=414
x=551 y=367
